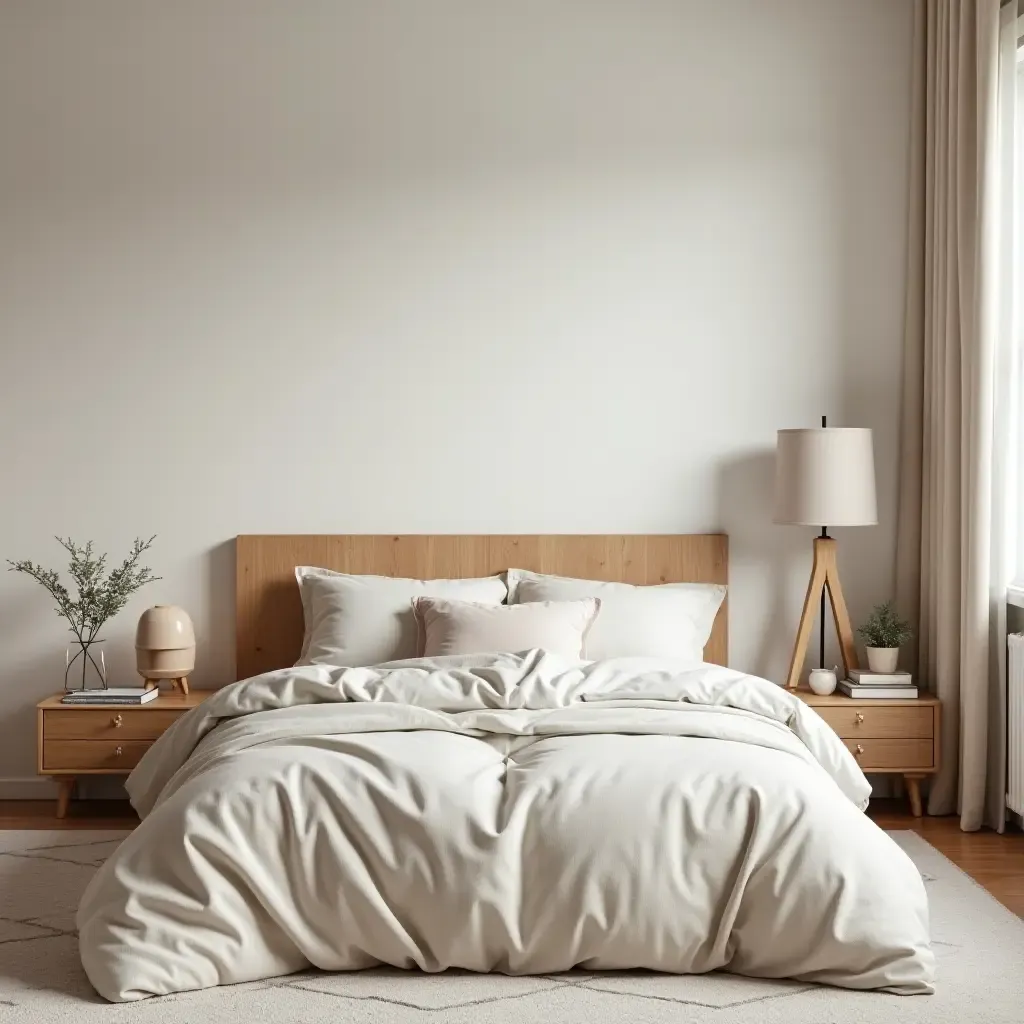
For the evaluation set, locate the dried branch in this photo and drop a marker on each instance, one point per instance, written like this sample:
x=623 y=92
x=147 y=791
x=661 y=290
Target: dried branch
x=99 y=598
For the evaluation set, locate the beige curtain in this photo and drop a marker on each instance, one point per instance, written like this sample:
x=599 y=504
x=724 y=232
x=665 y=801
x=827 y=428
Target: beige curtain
x=948 y=568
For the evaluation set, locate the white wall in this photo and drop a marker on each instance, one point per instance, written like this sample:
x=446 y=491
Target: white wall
x=471 y=265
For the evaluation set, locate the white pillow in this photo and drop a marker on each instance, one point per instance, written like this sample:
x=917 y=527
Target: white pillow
x=666 y=620
x=365 y=620
x=461 y=627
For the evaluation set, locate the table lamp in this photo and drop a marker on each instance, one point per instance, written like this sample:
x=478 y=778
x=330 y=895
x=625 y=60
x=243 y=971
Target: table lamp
x=165 y=646
x=824 y=477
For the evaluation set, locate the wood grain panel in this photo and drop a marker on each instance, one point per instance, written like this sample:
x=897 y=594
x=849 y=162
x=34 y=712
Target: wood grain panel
x=269 y=614
x=892 y=755
x=83 y=757
x=107 y=724
x=880 y=723
x=838 y=700
x=169 y=700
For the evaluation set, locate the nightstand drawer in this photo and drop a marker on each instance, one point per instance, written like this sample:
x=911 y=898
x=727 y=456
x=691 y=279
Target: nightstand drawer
x=904 y=755
x=116 y=723
x=93 y=755
x=901 y=722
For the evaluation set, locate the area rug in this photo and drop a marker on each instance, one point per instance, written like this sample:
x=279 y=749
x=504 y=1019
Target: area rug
x=979 y=945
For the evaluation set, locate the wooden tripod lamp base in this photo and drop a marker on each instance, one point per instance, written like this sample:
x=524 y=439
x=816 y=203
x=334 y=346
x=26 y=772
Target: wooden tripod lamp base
x=824 y=573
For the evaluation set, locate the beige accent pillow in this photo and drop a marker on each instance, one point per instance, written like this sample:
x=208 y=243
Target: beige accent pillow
x=465 y=627
x=356 y=620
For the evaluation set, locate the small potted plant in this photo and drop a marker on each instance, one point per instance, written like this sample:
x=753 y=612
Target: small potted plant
x=885 y=633
x=101 y=595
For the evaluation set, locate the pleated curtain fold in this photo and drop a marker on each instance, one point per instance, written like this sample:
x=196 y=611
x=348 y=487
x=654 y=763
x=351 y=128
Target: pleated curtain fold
x=957 y=461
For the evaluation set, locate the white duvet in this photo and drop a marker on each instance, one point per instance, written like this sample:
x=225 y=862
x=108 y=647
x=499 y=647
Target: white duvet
x=504 y=813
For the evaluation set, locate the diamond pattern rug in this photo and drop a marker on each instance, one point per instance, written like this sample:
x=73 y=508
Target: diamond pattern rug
x=978 y=942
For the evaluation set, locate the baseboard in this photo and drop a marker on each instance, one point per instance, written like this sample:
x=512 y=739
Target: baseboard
x=28 y=788
x=91 y=787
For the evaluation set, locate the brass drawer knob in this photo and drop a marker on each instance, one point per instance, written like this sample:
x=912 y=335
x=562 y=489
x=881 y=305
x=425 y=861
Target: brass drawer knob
x=118 y=752
x=117 y=721
x=859 y=750
x=858 y=718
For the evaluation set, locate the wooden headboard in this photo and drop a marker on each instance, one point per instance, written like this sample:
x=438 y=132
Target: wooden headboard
x=269 y=614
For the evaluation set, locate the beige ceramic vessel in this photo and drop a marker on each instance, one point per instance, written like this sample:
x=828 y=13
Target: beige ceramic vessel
x=165 y=645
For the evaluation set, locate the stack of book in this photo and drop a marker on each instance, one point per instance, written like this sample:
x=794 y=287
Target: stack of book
x=111 y=695
x=878 y=685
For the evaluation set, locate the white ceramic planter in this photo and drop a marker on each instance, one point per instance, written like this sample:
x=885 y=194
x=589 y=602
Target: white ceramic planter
x=883 y=659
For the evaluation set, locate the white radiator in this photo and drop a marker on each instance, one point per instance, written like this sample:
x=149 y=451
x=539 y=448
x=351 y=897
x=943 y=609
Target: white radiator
x=1015 y=723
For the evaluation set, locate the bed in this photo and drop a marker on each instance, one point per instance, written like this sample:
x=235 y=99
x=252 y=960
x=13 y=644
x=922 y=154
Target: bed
x=518 y=811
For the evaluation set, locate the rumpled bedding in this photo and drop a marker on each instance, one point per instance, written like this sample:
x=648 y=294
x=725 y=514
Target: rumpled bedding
x=515 y=813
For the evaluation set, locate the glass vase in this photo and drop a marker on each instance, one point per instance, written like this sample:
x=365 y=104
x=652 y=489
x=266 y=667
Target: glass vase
x=85 y=666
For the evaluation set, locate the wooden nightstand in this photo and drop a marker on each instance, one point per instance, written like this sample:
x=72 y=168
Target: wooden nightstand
x=886 y=736
x=109 y=740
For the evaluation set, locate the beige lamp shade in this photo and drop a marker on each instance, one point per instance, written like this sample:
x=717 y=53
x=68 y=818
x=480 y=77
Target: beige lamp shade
x=825 y=476
x=165 y=643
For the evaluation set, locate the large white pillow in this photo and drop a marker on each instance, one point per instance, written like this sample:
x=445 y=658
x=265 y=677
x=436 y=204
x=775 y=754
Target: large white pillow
x=666 y=620
x=462 y=627
x=365 y=620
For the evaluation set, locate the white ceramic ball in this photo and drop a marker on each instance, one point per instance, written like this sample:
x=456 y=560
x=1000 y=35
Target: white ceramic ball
x=823 y=681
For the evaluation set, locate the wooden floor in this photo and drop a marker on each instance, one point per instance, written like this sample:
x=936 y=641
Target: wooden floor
x=31 y=814
x=995 y=861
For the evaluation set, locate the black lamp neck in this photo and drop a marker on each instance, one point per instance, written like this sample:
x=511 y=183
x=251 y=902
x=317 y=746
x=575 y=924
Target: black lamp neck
x=824 y=529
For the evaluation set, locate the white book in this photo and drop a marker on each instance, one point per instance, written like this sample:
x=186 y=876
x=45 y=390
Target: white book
x=874 y=692
x=111 y=695
x=864 y=677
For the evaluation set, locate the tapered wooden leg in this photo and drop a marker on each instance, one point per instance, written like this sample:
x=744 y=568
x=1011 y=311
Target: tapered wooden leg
x=803 y=633
x=183 y=683
x=65 y=784
x=844 y=631
x=914 y=792
x=151 y=684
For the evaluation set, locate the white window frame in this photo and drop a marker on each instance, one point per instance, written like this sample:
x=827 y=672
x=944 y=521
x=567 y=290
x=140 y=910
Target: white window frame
x=1015 y=593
